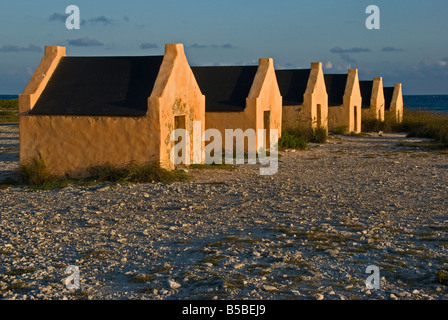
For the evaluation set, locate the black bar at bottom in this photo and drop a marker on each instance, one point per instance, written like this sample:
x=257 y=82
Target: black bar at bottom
x=221 y=309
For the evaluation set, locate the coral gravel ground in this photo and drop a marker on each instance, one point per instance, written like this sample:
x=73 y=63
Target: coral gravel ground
x=308 y=232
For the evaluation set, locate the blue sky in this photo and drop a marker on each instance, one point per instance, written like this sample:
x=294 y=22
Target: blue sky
x=411 y=45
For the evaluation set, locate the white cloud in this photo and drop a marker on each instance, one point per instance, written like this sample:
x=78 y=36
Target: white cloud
x=426 y=62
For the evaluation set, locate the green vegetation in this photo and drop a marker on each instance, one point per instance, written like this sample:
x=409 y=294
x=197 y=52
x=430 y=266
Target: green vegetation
x=18 y=285
x=8 y=110
x=136 y=174
x=35 y=173
x=421 y=124
x=375 y=125
x=80 y=295
x=298 y=138
x=8 y=116
x=442 y=277
x=390 y=259
x=425 y=124
x=340 y=130
x=236 y=282
x=233 y=241
x=213 y=259
x=37 y=176
x=321 y=236
x=319 y=135
x=292 y=139
x=19 y=271
x=10 y=104
x=149 y=276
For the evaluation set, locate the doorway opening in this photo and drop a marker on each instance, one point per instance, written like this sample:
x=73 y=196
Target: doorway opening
x=267 y=126
x=319 y=115
x=179 y=123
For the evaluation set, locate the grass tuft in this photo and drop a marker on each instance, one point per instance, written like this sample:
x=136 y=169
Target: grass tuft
x=340 y=130
x=292 y=139
x=299 y=137
x=442 y=277
x=319 y=135
x=35 y=173
x=137 y=174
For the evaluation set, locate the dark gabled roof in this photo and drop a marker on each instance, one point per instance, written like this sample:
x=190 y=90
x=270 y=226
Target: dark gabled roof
x=292 y=85
x=99 y=86
x=388 y=93
x=225 y=88
x=335 y=84
x=366 y=92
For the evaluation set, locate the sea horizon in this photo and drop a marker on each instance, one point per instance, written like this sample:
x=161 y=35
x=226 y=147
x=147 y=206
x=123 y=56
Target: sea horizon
x=425 y=102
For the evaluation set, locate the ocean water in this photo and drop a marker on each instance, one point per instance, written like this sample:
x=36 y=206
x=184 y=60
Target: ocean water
x=433 y=103
x=8 y=96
